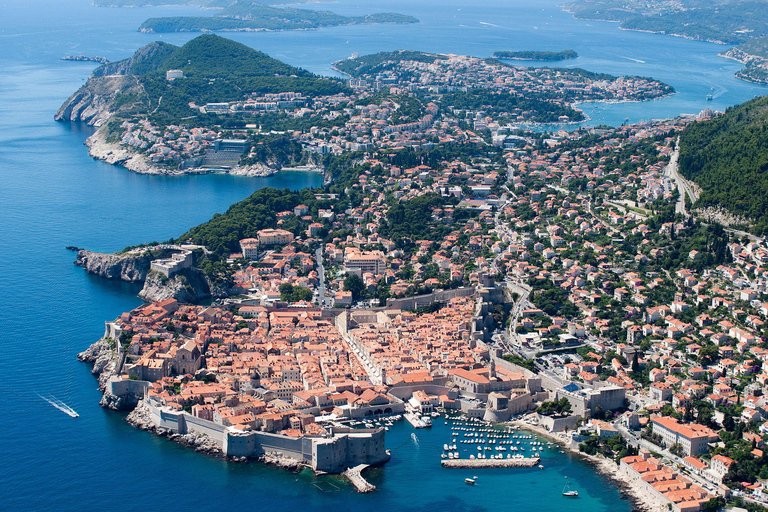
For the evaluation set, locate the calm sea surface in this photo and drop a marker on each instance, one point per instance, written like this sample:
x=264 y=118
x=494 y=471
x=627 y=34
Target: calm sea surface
x=53 y=195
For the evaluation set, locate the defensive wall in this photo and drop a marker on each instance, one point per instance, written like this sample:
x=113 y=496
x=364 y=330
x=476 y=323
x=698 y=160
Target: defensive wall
x=342 y=448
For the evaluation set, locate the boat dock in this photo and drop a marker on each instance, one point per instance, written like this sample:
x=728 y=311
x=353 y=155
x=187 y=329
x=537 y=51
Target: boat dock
x=519 y=462
x=356 y=477
x=414 y=420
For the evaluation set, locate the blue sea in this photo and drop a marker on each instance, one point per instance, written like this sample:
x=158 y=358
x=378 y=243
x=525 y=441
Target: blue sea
x=52 y=195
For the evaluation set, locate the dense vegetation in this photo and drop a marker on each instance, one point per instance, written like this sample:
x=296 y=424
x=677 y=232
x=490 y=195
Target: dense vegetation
x=727 y=157
x=282 y=151
x=377 y=62
x=495 y=103
x=411 y=220
x=247 y=15
x=215 y=70
x=729 y=21
x=535 y=55
x=757 y=47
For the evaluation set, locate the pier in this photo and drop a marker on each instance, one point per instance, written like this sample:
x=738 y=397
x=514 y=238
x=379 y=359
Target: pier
x=415 y=420
x=356 y=477
x=520 y=462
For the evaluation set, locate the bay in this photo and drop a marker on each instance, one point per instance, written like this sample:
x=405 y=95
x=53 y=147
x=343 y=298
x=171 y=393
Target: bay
x=52 y=194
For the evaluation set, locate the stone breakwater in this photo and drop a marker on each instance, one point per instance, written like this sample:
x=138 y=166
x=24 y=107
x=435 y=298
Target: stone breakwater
x=527 y=462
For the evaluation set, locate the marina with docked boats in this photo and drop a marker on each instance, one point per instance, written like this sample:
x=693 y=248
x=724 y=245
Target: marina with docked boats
x=471 y=443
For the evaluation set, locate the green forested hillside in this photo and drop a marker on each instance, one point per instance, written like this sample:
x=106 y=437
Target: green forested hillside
x=215 y=69
x=728 y=157
x=728 y=21
x=536 y=55
x=249 y=15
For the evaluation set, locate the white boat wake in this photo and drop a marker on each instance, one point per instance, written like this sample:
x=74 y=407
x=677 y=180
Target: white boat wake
x=415 y=439
x=60 y=406
x=489 y=24
x=635 y=60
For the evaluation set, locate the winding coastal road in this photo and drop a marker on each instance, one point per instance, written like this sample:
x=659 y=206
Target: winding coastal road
x=683 y=187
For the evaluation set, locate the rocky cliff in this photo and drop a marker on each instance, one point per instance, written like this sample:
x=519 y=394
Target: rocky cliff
x=190 y=285
x=125 y=267
x=94 y=103
x=140 y=418
x=117 y=154
x=103 y=356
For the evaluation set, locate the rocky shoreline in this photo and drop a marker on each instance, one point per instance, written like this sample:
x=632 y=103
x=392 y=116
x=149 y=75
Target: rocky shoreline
x=140 y=418
x=117 y=154
x=189 y=285
x=103 y=356
x=601 y=465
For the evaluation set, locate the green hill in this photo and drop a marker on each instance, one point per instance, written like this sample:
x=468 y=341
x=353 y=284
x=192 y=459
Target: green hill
x=248 y=15
x=215 y=70
x=728 y=158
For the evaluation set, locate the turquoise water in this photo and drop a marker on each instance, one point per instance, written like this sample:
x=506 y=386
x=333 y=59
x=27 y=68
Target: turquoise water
x=52 y=194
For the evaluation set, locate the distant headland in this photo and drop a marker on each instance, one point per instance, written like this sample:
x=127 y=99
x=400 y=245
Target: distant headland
x=536 y=55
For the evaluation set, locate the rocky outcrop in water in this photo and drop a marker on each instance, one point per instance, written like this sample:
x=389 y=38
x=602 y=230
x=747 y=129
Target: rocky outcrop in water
x=119 y=403
x=117 y=154
x=103 y=357
x=140 y=418
x=125 y=267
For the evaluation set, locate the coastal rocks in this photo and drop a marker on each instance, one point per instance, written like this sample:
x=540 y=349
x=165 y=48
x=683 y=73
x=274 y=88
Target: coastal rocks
x=116 y=154
x=189 y=285
x=141 y=419
x=258 y=170
x=119 y=403
x=103 y=357
x=125 y=267
x=94 y=103
x=281 y=461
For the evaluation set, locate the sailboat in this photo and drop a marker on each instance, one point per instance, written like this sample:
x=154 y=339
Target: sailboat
x=567 y=490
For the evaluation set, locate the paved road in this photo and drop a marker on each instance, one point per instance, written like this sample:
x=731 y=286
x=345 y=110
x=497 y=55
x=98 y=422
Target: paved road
x=683 y=187
x=321 y=275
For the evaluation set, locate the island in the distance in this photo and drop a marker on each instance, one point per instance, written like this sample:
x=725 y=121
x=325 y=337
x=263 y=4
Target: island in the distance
x=733 y=22
x=536 y=55
x=85 y=58
x=251 y=16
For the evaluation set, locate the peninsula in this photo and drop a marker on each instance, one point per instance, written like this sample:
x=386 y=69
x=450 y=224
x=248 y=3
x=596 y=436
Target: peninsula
x=733 y=22
x=542 y=275
x=185 y=110
x=536 y=55
x=246 y=15
x=453 y=263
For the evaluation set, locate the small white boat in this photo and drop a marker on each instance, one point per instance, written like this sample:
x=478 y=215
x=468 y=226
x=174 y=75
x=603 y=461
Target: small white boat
x=567 y=492
x=470 y=481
